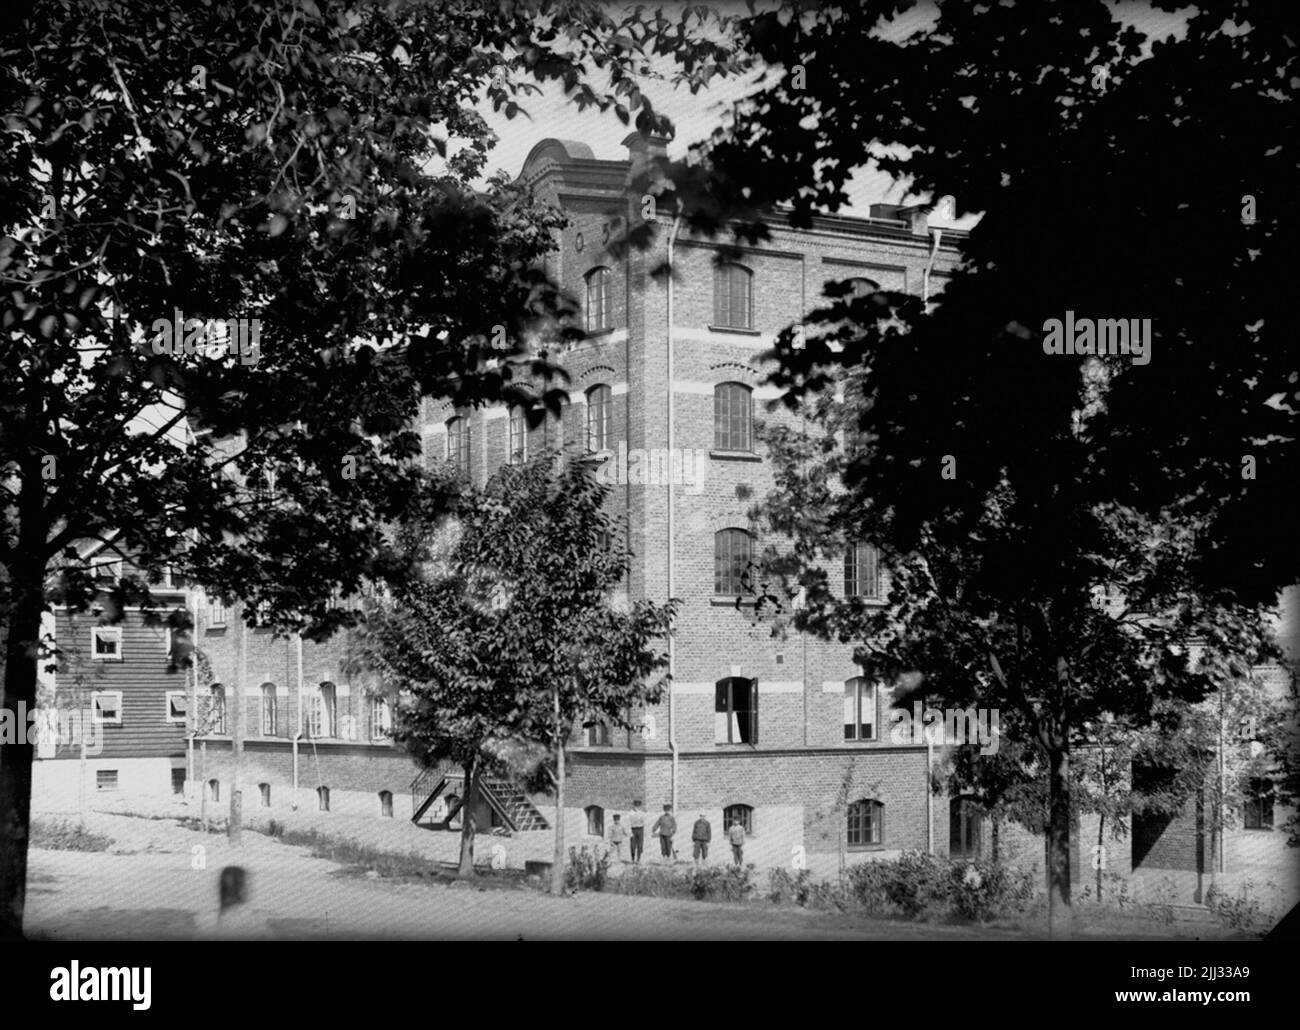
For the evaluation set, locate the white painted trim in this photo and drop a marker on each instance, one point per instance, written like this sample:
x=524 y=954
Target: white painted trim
x=740 y=339
x=618 y=389
x=832 y=686
x=683 y=689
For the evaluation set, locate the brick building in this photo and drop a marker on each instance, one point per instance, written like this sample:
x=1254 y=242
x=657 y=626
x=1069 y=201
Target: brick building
x=782 y=733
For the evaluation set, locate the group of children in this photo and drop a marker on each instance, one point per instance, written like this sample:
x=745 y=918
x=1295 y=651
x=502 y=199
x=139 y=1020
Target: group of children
x=665 y=828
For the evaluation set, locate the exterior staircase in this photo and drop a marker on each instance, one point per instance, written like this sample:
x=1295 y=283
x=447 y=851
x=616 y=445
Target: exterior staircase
x=506 y=798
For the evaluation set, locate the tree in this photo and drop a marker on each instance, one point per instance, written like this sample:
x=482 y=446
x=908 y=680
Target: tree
x=296 y=173
x=510 y=639
x=1006 y=483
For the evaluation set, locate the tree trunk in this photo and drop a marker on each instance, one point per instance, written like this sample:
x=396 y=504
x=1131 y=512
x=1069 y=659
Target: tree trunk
x=1100 y=860
x=1058 y=842
x=557 y=862
x=467 y=827
x=995 y=843
x=19 y=695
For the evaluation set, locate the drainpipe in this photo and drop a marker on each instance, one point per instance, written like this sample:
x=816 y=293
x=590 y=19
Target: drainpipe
x=929 y=794
x=298 y=733
x=929 y=265
x=672 y=708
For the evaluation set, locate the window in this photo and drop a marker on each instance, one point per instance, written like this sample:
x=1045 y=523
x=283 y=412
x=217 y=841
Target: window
x=866 y=823
x=598 y=405
x=321 y=711
x=1258 y=814
x=107 y=706
x=214 y=790
x=598 y=314
x=595 y=820
x=106 y=643
x=598 y=734
x=965 y=825
x=743 y=814
x=216 y=709
x=386 y=804
x=177 y=706
x=458 y=442
x=733 y=417
x=862 y=572
x=732 y=292
x=323 y=798
x=732 y=553
x=861 y=288
x=264 y=789
x=381 y=718
x=735 y=709
x=106 y=779
x=216 y=612
x=268 y=709
x=518 y=436
x=859 y=710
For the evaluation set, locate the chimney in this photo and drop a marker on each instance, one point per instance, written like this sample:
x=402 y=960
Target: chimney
x=643 y=149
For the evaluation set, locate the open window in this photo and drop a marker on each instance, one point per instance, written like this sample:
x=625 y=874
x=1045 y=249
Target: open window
x=736 y=711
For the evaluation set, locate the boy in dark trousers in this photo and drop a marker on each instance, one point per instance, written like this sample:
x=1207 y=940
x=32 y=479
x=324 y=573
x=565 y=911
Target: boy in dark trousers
x=736 y=835
x=636 y=824
x=701 y=834
x=665 y=828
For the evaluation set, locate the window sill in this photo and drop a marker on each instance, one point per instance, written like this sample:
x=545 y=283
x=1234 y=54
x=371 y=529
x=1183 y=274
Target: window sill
x=739 y=330
x=595 y=334
x=729 y=601
x=866 y=847
x=718 y=455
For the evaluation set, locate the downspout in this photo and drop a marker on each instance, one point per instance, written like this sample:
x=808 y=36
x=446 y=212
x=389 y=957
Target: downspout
x=297 y=736
x=929 y=265
x=672 y=708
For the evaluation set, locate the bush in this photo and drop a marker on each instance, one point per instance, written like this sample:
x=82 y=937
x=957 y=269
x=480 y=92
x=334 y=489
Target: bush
x=782 y=887
x=868 y=884
x=586 y=870
x=722 y=883
x=653 y=881
x=918 y=883
x=61 y=835
x=1242 y=913
x=980 y=891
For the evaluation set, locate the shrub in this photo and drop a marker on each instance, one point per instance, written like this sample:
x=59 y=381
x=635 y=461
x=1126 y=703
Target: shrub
x=1242 y=912
x=586 y=870
x=917 y=882
x=722 y=883
x=61 y=835
x=653 y=881
x=784 y=887
x=980 y=891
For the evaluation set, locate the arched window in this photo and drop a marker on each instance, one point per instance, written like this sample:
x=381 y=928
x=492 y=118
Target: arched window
x=859 y=709
x=598 y=409
x=862 y=572
x=386 y=804
x=268 y=710
x=732 y=554
x=214 y=790
x=320 y=711
x=518 y=452
x=733 y=287
x=458 y=442
x=862 y=288
x=597 y=734
x=965 y=827
x=323 y=798
x=595 y=820
x=866 y=823
x=742 y=814
x=733 y=417
x=735 y=708
x=598 y=313
x=216 y=709
x=264 y=789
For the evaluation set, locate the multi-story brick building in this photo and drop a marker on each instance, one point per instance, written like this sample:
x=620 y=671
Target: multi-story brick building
x=783 y=733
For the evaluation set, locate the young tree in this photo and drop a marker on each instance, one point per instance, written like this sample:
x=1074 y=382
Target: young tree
x=303 y=168
x=510 y=637
x=1006 y=482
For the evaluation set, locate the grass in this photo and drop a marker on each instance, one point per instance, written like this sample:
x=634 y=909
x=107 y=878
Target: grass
x=359 y=859
x=63 y=835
